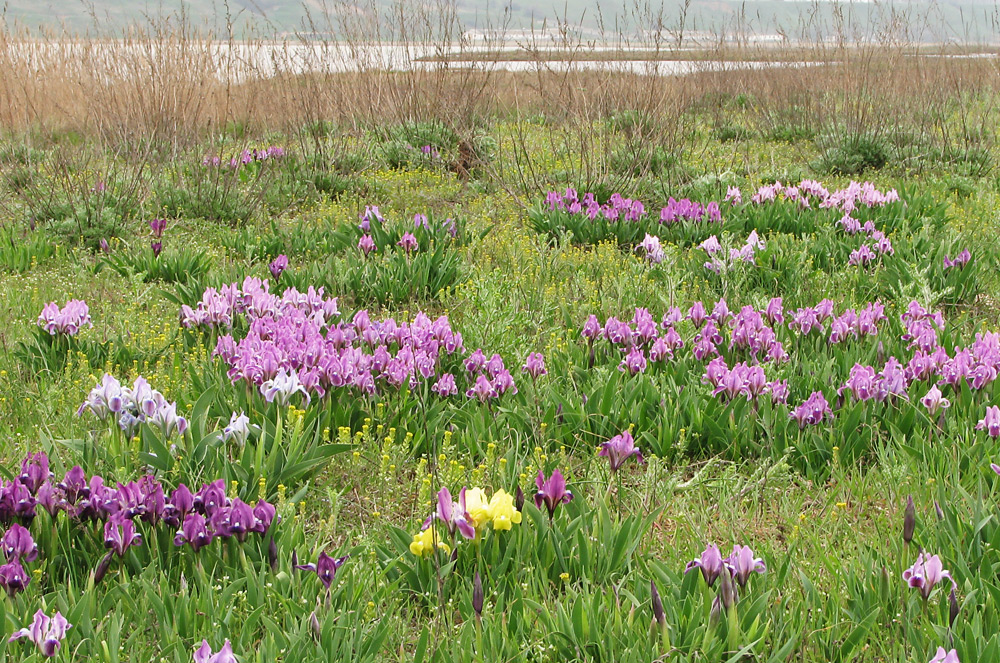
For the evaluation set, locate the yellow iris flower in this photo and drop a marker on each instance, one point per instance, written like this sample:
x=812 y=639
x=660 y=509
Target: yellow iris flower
x=423 y=543
x=477 y=506
x=502 y=512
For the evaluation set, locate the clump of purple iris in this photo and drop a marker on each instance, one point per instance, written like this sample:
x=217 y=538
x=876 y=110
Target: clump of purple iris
x=295 y=344
x=133 y=406
x=490 y=377
x=551 y=491
x=619 y=449
x=46 y=633
x=325 y=568
x=961 y=260
x=846 y=199
x=66 y=321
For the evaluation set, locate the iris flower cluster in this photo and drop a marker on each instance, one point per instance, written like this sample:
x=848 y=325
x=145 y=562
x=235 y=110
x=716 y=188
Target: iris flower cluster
x=294 y=346
x=65 y=321
x=246 y=157
x=756 y=332
x=734 y=571
x=847 y=199
x=133 y=406
x=197 y=518
x=466 y=517
x=619 y=208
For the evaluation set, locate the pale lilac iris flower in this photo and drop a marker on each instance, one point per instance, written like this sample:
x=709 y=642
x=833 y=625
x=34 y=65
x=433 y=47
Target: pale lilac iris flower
x=47 y=633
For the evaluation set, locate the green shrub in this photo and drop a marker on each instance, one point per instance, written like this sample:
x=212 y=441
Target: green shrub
x=853 y=154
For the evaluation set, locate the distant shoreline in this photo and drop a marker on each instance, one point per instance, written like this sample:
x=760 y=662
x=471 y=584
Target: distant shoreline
x=757 y=53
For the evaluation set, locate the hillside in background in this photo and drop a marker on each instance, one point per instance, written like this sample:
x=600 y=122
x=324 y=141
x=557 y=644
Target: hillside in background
x=948 y=20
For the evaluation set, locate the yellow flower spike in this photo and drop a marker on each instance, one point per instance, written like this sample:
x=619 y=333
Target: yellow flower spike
x=564 y=576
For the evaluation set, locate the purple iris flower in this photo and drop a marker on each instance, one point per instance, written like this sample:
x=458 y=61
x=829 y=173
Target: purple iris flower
x=634 y=362
x=367 y=245
x=991 y=422
x=619 y=449
x=325 y=567
x=813 y=411
x=205 y=655
x=710 y=563
x=194 y=532
x=23 y=502
x=18 y=544
x=591 y=328
x=697 y=314
x=158 y=226
x=934 y=401
x=942 y=656
x=774 y=312
x=742 y=563
x=861 y=383
x=278 y=265
x=482 y=390
x=73 y=483
x=180 y=504
x=534 y=365
x=552 y=491
x=407 y=242
x=157 y=248
x=239 y=520
x=445 y=386
x=50 y=498
x=212 y=496
x=960 y=260
x=925 y=573
x=475 y=362
x=453 y=514
x=35 y=470
x=264 y=514
x=13 y=577
x=47 y=633
x=120 y=534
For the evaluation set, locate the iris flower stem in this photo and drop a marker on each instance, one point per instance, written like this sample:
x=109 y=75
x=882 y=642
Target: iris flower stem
x=733 y=628
x=479 y=639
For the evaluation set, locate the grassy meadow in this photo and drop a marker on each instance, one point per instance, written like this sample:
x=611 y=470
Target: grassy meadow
x=465 y=365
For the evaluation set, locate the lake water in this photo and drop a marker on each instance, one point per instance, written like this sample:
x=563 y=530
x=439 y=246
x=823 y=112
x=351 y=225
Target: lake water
x=241 y=61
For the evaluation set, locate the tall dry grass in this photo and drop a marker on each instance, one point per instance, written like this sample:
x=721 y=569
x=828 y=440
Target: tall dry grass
x=168 y=84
